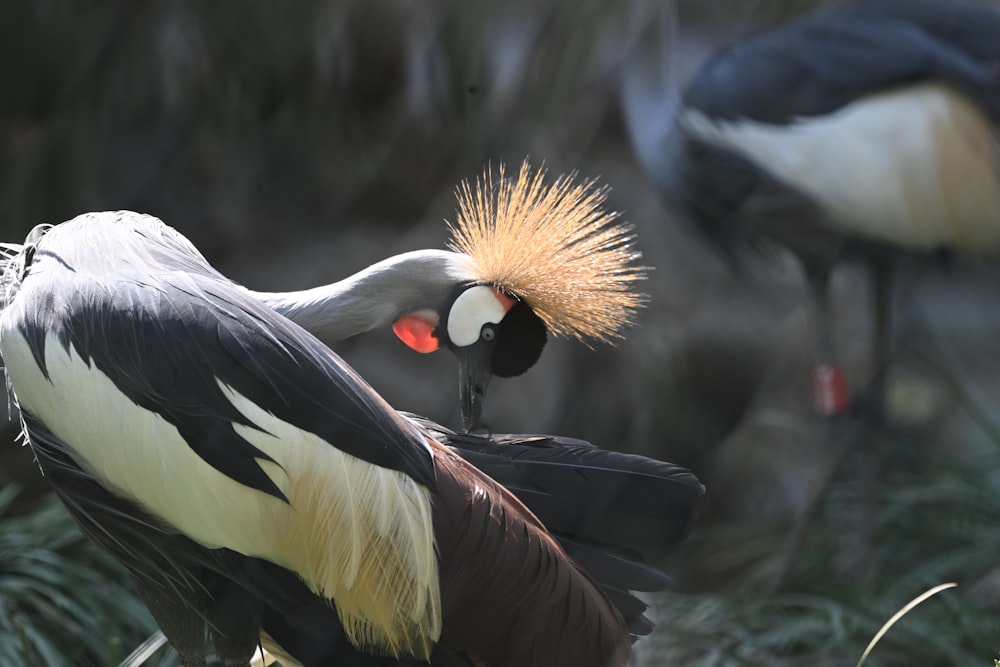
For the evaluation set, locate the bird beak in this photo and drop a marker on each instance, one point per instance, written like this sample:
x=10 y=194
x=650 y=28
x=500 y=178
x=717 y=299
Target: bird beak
x=475 y=372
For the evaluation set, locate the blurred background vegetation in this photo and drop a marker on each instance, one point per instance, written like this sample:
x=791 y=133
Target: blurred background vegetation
x=296 y=143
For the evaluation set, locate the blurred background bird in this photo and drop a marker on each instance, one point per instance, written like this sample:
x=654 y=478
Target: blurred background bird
x=253 y=484
x=865 y=132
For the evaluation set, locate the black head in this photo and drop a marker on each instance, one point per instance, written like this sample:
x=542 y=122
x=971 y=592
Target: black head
x=491 y=333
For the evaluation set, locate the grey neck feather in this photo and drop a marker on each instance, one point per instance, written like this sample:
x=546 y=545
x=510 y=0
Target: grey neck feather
x=650 y=84
x=376 y=296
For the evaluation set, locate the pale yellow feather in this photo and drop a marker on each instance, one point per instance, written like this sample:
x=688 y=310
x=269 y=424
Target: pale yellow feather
x=356 y=533
x=553 y=245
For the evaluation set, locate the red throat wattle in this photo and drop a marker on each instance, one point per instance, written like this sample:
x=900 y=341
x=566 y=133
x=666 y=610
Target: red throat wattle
x=417 y=331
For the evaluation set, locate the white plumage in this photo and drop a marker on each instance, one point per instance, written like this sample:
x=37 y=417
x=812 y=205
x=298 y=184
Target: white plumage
x=924 y=163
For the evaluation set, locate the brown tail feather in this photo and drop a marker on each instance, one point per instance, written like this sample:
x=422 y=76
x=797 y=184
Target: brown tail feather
x=510 y=595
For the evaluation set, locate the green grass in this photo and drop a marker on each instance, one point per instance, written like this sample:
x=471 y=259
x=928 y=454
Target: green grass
x=938 y=522
x=62 y=600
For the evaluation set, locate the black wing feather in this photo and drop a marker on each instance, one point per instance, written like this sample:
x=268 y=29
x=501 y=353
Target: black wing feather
x=830 y=59
x=593 y=493
x=601 y=506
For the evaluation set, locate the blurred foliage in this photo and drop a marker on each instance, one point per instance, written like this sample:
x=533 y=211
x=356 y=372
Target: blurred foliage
x=232 y=118
x=63 y=601
x=936 y=523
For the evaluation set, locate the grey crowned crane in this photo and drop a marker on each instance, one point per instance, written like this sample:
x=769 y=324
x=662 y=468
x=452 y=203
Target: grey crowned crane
x=254 y=485
x=527 y=258
x=863 y=131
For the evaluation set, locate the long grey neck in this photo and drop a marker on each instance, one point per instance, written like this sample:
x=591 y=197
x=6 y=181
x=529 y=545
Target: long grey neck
x=376 y=296
x=650 y=85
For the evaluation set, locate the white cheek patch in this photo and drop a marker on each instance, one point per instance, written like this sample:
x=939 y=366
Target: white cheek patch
x=472 y=309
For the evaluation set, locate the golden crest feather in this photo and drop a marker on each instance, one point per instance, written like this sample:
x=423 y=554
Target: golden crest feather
x=554 y=246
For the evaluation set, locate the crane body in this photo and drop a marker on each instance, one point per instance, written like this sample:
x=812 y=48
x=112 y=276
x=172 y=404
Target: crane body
x=254 y=485
x=866 y=131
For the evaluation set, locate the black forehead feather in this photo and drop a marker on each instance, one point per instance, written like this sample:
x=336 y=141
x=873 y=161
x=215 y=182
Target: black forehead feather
x=521 y=337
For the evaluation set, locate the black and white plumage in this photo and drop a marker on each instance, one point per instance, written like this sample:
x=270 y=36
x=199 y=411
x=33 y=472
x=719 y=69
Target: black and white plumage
x=248 y=479
x=862 y=131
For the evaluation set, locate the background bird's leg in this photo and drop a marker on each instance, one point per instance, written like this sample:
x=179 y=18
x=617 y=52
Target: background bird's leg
x=829 y=386
x=874 y=402
x=836 y=441
x=183 y=627
x=830 y=400
x=873 y=416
